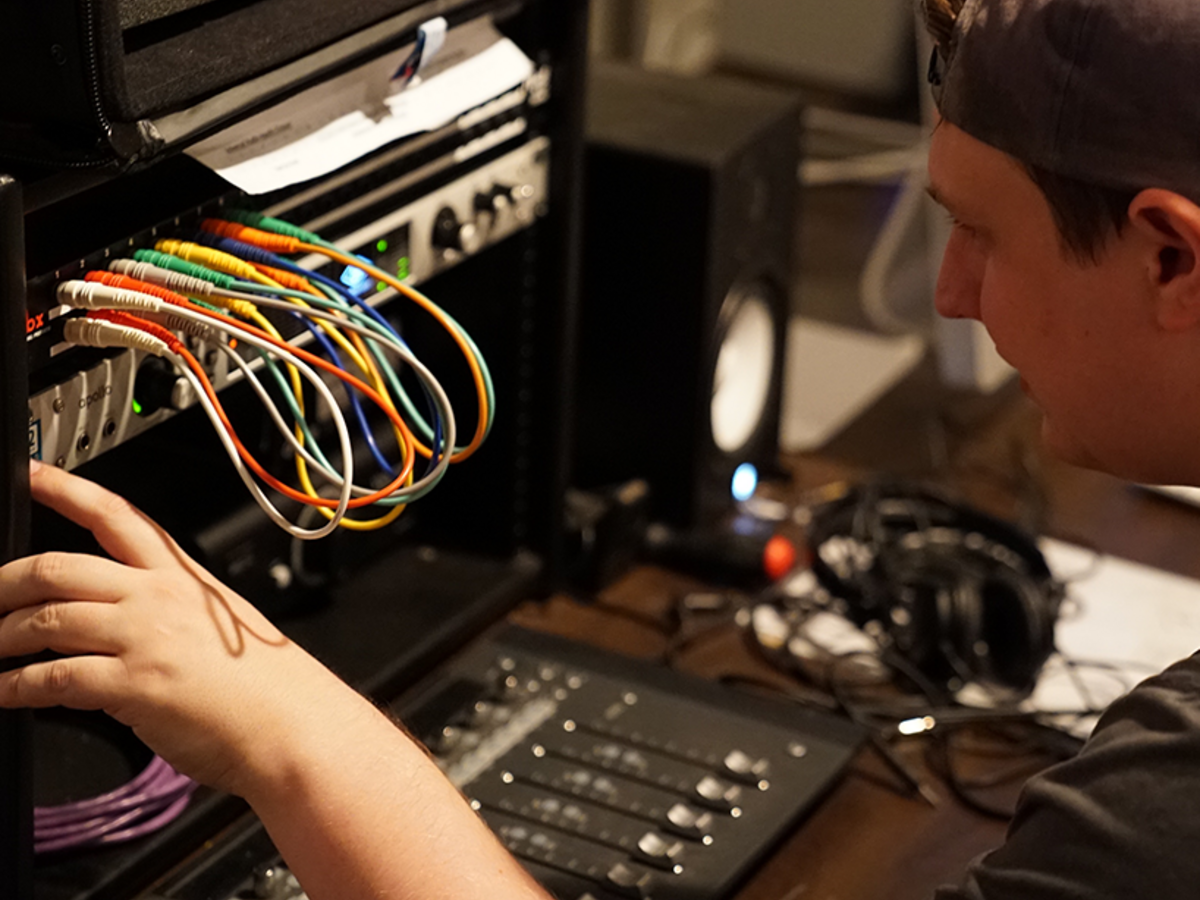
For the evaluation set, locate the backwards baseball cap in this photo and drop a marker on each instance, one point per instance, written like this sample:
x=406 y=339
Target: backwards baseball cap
x=1104 y=91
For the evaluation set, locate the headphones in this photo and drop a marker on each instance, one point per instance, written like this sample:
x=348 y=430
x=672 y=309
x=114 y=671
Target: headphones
x=958 y=594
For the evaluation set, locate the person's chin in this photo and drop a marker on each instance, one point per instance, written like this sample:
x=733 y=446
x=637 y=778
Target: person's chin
x=1066 y=448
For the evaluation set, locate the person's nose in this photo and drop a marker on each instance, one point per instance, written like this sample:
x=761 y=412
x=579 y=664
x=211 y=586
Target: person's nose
x=961 y=278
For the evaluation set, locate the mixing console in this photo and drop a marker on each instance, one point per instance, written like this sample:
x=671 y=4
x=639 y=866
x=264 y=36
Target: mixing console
x=607 y=777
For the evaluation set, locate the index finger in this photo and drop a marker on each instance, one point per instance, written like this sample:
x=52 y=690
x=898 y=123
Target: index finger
x=122 y=529
x=33 y=580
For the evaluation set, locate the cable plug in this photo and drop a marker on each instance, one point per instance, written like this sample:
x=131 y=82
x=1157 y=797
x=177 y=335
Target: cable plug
x=116 y=280
x=243 y=308
x=90 y=332
x=174 y=344
x=266 y=240
x=190 y=327
x=172 y=281
x=209 y=258
x=256 y=256
x=287 y=279
x=175 y=264
x=94 y=295
x=266 y=223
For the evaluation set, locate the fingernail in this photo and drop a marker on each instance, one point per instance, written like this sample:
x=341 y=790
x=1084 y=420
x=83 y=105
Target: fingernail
x=34 y=464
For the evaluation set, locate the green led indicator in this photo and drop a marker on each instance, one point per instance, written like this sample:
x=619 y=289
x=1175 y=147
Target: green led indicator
x=380 y=287
x=137 y=408
x=402 y=271
x=381 y=245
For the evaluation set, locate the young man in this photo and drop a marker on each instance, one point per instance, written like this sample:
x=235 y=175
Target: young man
x=1069 y=156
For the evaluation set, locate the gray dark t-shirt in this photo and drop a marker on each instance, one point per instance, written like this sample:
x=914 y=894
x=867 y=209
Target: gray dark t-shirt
x=1120 y=821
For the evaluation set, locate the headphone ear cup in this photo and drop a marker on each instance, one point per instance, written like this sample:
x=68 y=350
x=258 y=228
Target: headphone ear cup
x=1017 y=617
x=955 y=648
x=928 y=617
x=965 y=645
x=996 y=628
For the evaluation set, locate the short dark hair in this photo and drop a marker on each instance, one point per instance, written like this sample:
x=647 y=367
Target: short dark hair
x=1086 y=214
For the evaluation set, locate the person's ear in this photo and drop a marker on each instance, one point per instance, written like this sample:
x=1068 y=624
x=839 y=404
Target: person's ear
x=1169 y=223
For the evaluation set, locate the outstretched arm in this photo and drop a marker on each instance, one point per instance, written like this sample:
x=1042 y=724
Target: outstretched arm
x=354 y=805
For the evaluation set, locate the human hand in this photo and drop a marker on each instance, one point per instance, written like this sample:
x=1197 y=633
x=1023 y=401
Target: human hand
x=156 y=642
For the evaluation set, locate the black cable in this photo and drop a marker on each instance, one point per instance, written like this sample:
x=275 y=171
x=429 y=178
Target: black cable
x=796 y=694
x=875 y=736
x=1033 y=736
x=941 y=760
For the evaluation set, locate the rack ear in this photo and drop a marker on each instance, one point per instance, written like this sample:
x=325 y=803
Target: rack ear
x=16 y=757
x=1170 y=225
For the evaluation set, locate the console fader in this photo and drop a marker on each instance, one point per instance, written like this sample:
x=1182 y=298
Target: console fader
x=607 y=777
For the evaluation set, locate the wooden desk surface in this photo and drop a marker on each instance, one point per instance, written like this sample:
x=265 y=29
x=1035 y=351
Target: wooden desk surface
x=870 y=838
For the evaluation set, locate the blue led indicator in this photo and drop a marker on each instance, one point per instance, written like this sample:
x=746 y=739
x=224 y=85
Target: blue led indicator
x=745 y=482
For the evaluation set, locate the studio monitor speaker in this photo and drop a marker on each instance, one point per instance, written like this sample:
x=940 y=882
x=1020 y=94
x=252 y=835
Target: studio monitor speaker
x=691 y=204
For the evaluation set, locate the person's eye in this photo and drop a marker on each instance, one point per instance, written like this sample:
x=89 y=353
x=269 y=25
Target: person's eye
x=958 y=225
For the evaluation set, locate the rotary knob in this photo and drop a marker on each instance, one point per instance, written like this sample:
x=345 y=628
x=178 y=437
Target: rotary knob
x=157 y=385
x=497 y=205
x=495 y=202
x=452 y=235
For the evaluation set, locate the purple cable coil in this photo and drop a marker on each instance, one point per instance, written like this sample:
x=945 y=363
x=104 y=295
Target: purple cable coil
x=144 y=805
